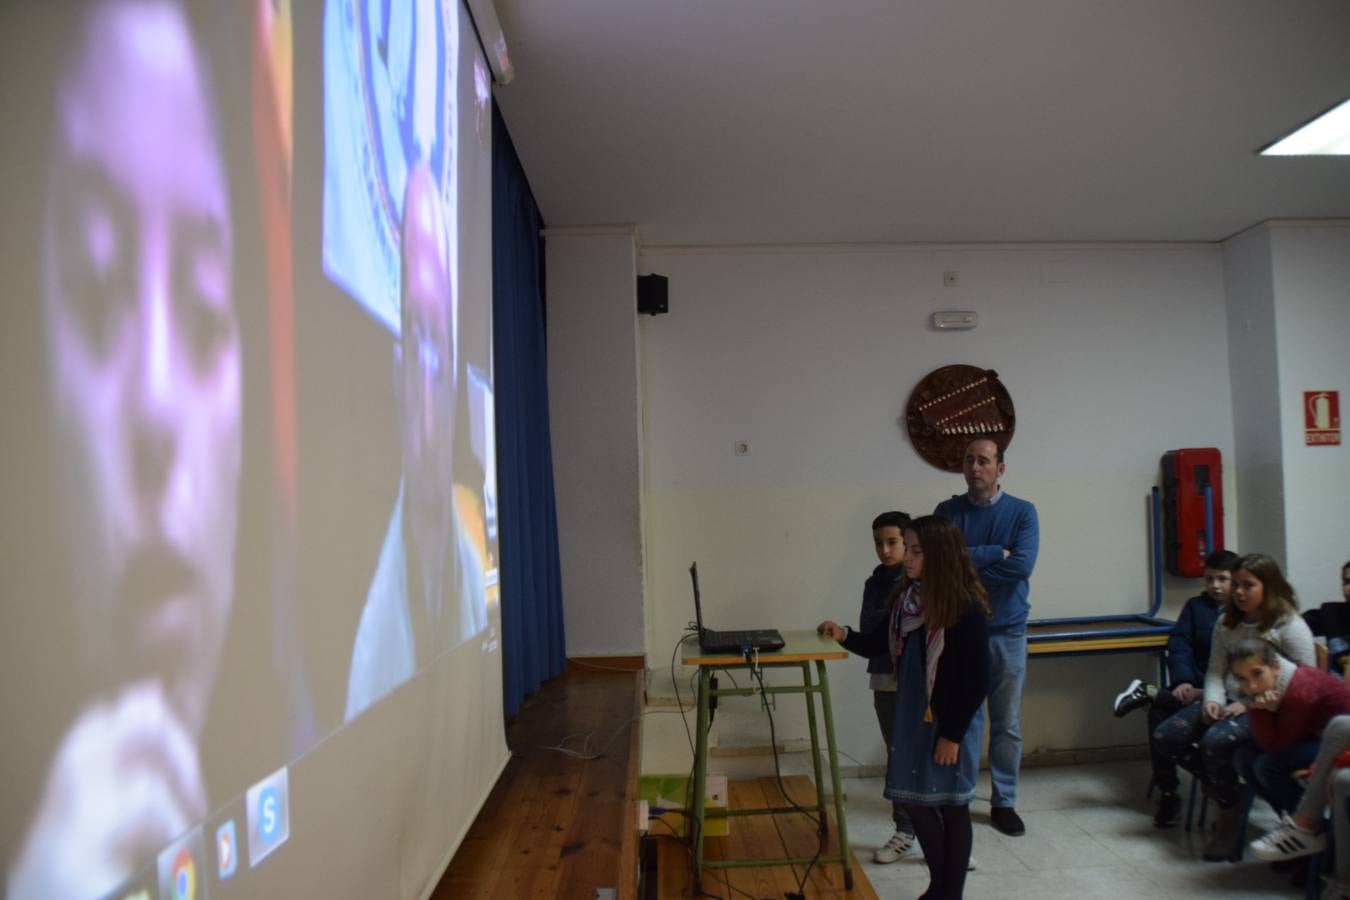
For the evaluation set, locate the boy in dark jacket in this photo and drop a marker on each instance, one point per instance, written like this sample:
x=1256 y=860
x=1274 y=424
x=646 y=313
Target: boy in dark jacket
x=1187 y=660
x=1332 y=621
x=889 y=543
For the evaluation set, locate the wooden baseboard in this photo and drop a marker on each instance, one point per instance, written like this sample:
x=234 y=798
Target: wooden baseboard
x=606 y=663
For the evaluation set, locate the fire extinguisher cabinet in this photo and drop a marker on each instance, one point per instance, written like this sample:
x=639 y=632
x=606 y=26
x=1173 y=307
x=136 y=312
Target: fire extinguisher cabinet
x=1192 y=484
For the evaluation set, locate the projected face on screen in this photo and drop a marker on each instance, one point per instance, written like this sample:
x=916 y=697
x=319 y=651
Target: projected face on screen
x=427 y=364
x=144 y=351
x=144 y=364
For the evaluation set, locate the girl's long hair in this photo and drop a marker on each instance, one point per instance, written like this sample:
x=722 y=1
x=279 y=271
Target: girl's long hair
x=1278 y=601
x=949 y=585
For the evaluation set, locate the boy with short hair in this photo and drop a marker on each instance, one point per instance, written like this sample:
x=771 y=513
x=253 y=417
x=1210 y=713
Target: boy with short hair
x=1332 y=621
x=1187 y=660
x=889 y=542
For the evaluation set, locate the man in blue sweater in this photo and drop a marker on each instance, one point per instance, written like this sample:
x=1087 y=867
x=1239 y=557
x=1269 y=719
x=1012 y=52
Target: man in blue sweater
x=1003 y=536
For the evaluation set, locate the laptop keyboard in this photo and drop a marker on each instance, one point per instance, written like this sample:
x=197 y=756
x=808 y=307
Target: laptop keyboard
x=732 y=638
x=754 y=637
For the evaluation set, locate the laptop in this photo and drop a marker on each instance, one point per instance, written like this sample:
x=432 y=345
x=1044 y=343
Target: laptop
x=710 y=641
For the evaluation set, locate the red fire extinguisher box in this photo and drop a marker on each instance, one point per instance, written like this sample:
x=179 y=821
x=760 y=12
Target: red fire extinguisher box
x=1185 y=475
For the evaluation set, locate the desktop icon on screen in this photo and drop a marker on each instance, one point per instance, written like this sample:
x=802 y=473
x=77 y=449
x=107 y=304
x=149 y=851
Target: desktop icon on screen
x=227 y=850
x=269 y=822
x=179 y=865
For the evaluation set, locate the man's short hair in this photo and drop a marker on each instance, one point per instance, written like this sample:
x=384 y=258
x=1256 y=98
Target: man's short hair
x=893 y=519
x=998 y=448
x=1221 y=559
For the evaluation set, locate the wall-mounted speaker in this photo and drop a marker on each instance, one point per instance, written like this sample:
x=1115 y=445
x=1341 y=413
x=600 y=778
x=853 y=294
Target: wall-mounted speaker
x=653 y=294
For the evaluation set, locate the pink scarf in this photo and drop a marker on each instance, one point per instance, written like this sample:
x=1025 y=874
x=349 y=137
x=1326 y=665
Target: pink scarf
x=907 y=616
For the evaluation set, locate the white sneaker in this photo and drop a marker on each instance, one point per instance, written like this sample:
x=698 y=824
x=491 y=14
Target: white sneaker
x=1288 y=841
x=895 y=849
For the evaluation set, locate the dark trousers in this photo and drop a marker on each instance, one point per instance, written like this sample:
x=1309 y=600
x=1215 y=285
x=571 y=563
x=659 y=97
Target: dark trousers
x=884 y=703
x=1165 y=755
x=1218 y=743
x=1272 y=773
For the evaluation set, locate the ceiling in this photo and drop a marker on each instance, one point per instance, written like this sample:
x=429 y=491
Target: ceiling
x=787 y=121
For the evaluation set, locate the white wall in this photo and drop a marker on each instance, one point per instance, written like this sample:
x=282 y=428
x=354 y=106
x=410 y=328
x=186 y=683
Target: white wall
x=1257 y=465
x=1311 y=266
x=595 y=426
x=1113 y=355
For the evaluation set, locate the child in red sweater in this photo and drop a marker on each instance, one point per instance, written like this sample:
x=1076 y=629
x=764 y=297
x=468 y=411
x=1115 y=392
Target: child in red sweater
x=1289 y=706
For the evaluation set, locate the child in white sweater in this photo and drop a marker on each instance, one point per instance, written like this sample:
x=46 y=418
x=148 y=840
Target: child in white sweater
x=1262 y=606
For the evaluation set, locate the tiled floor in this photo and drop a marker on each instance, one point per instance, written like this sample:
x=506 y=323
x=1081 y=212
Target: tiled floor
x=1089 y=834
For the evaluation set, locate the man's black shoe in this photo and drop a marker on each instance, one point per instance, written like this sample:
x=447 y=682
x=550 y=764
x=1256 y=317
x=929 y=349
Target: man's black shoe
x=1169 y=806
x=1006 y=820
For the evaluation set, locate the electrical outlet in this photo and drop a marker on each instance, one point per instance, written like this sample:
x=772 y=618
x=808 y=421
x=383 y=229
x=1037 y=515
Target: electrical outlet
x=951 y=279
x=715 y=789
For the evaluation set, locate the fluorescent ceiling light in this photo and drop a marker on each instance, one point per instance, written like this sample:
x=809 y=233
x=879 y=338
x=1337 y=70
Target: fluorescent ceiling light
x=1326 y=135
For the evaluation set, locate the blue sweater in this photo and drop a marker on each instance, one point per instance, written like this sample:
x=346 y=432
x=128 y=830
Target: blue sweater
x=1188 y=647
x=1009 y=523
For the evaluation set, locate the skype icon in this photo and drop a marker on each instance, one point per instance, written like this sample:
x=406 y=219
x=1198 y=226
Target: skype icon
x=269 y=816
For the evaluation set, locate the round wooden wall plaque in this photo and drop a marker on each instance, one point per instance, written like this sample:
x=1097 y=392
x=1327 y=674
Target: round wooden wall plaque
x=953 y=405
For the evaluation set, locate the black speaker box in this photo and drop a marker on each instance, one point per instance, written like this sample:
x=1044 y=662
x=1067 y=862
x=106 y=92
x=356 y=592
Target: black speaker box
x=653 y=294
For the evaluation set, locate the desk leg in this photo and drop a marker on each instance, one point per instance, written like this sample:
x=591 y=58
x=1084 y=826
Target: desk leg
x=834 y=775
x=696 y=821
x=815 y=746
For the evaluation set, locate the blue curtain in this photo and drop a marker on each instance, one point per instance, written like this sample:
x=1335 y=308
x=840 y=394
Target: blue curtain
x=533 y=645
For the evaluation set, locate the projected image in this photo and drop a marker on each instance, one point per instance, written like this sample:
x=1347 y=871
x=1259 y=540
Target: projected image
x=146 y=608
x=391 y=244
x=248 y=393
x=389 y=105
x=143 y=348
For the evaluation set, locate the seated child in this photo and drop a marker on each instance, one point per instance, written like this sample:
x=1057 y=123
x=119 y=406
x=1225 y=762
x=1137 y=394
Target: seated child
x=1332 y=621
x=1288 y=707
x=1187 y=661
x=1261 y=605
x=1298 y=834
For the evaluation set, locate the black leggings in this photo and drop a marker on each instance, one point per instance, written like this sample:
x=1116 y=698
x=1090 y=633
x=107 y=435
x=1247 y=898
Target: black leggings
x=945 y=835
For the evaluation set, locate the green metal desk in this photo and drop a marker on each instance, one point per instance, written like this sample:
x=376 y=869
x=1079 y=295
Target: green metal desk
x=802 y=649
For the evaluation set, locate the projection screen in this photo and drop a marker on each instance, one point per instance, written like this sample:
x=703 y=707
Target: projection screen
x=250 y=638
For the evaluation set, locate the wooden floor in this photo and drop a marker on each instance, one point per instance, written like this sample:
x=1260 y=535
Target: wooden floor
x=791 y=834
x=555 y=825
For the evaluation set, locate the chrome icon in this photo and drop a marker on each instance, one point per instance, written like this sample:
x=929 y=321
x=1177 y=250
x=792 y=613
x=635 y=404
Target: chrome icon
x=184 y=875
x=179 y=876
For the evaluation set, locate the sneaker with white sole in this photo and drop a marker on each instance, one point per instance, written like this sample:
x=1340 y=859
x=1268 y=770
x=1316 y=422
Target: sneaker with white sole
x=1138 y=694
x=1288 y=841
x=895 y=849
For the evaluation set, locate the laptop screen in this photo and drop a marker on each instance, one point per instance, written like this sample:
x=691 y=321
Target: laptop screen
x=698 y=602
